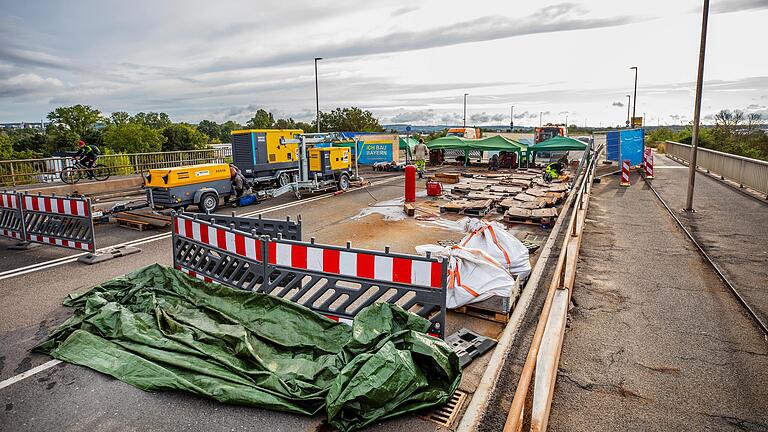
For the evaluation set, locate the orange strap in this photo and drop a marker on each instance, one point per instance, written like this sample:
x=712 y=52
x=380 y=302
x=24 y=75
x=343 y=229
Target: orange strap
x=454 y=279
x=495 y=240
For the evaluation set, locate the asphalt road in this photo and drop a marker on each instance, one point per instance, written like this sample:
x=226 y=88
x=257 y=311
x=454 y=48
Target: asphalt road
x=655 y=340
x=67 y=397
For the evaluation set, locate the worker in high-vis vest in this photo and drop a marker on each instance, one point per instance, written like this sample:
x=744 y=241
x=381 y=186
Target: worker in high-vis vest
x=420 y=154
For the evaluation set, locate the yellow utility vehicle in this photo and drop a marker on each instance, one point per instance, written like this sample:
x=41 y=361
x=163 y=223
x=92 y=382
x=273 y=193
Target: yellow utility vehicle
x=202 y=185
x=266 y=156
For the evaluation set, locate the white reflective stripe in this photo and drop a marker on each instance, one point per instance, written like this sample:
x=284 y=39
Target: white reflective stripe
x=28 y=202
x=230 y=242
x=212 y=238
x=314 y=259
x=40 y=204
x=58 y=242
x=181 y=228
x=382 y=268
x=348 y=263
x=283 y=254
x=6 y=200
x=250 y=248
x=421 y=273
x=196 y=231
x=346 y=321
x=80 y=208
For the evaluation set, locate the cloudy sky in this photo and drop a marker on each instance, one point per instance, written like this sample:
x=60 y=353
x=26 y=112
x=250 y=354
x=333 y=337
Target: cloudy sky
x=407 y=61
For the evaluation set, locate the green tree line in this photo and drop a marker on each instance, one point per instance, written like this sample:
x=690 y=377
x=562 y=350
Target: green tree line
x=121 y=132
x=734 y=132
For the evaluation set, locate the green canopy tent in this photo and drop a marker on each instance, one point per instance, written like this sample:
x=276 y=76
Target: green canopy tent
x=491 y=143
x=558 y=144
x=408 y=145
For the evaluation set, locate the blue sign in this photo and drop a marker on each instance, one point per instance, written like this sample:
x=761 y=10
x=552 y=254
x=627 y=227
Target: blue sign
x=407 y=128
x=374 y=152
x=632 y=146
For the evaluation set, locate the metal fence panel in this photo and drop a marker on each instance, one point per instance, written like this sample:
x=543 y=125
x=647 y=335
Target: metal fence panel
x=11 y=219
x=274 y=228
x=58 y=221
x=747 y=172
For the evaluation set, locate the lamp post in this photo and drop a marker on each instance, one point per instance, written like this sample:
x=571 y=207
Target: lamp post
x=629 y=102
x=697 y=110
x=541 y=114
x=512 y=119
x=465 y=109
x=317 y=95
x=634 y=95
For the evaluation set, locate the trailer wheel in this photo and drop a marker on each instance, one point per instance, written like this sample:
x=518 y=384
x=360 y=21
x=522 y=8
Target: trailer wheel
x=343 y=182
x=209 y=202
x=283 y=179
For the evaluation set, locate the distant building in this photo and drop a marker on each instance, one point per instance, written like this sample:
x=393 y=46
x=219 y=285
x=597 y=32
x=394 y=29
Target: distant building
x=25 y=125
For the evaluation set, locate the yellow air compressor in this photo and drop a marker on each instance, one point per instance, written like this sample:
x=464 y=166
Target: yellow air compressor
x=202 y=185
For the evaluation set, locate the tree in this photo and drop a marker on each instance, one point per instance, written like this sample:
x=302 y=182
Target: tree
x=152 y=119
x=261 y=120
x=183 y=136
x=349 y=119
x=285 y=124
x=119 y=117
x=133 y=138
x=210 y=128
x=226 y=128
x=306 y=127
x=78 y=118
x=59 y=138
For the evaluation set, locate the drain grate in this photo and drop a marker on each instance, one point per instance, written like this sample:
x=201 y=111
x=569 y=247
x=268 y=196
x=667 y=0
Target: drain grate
x=446 y=414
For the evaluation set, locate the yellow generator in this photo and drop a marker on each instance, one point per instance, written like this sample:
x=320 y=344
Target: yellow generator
x=329 y=160
x=202 y=185
x=262 y=156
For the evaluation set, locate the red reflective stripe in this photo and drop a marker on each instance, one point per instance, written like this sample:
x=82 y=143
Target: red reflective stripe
x=401 y=270
x=221 y=239
x=331 y=261
x=332 y=317
x=191 y=273
x=239 y=245
x=207 y=279
x=78 y=245
x=187 y=228
x=272 y=253
x=34 y=204
x=72 y=207
x=59 y=205
x=365 y=265
x=47 y=205
x=299 y=256
x=204 y=233
x=258 y=251
x=51 y=240
x=86 y=208
x=175 y=224
x=437 y=272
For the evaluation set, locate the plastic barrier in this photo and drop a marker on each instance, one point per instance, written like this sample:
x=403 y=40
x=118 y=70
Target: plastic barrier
x=65 y=222
x=334 y=281
x=625 y=173
x=648 y=163
x=11 y=218
x=272 y=227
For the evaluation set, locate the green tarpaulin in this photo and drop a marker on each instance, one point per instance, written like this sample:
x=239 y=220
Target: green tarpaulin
x=492 y=143
x=559 y=143
x=159 y=329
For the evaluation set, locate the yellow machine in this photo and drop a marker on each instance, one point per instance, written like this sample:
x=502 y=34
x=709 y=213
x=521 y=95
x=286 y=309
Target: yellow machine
x=260 y=154
x=329 y=160
x=202 y=185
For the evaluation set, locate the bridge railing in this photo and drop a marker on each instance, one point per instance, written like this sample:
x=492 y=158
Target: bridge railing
x=47 y=170
x=745 y=171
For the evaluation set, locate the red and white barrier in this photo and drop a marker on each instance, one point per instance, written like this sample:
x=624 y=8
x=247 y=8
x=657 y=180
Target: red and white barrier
x=195 y=275
x=64 y=206
x=12 y=222
x=219 y=238
x=625 y=173
x=649 y=164
x=9 y=200
x=53 y=241
x=356 y=264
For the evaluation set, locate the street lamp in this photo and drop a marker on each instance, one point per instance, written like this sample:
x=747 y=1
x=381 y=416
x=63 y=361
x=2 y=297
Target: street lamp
x=697 y=110
x=629 y=102
x=634 y=96
x=317 y=95
x=512 y=119
x=540 y=117
x=465 y=109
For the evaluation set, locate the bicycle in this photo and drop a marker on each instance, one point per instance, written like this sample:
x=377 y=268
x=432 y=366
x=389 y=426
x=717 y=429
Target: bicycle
x=73 y=174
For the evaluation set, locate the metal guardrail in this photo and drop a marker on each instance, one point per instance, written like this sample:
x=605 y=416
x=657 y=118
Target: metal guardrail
x=48 y=170
x=751 y=173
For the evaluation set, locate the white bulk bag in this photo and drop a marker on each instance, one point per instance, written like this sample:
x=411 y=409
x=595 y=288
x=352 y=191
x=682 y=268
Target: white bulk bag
x=500 y=244
x=473 y=275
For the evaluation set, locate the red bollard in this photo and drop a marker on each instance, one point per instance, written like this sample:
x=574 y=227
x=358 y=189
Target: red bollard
x=410 y=183
x=649 y=164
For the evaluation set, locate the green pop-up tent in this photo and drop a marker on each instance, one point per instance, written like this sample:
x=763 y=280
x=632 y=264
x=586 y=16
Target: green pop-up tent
x=491 y=143
x=559 y=143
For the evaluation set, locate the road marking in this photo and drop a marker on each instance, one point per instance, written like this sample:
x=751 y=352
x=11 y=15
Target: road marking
x=72 y=258
x=29 y=373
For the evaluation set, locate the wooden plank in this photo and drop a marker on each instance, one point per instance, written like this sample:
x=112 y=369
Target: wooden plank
x=536 y=191
x=547 y=360
x=524 y=197
x=544 y=212
x=409 y=209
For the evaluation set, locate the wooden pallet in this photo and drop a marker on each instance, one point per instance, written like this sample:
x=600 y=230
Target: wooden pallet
x=447 y=177
x=472 y=311
x=468 y=207
x=133 y=224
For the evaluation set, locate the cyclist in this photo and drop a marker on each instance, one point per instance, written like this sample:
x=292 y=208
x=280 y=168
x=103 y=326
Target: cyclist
x=86 y=155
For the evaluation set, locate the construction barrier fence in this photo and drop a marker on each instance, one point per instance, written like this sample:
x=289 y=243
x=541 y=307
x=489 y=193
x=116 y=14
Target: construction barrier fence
x=56 y=221
x=334 y=281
